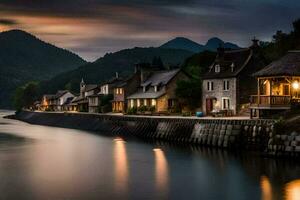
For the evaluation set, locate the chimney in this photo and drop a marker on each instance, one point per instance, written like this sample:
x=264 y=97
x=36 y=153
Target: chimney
x=117 y=75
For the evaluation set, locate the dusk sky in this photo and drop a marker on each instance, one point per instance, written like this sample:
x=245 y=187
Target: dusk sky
x=92 y=28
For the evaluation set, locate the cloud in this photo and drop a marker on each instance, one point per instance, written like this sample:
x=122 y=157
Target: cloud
x=93 y=27
x=8 y=22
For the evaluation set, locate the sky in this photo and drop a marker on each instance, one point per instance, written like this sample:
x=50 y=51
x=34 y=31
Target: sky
x=92 y=28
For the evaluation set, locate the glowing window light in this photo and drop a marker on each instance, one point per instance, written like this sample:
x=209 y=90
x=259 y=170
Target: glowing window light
x=295 y=85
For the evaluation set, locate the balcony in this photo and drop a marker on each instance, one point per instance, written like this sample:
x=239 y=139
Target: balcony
x=265 y=101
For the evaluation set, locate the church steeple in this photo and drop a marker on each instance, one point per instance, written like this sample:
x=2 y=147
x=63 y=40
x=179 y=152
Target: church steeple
x=82 y=88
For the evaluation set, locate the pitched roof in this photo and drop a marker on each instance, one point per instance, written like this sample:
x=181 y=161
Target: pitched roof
x=90 y=87
x=288 y=65
x=160 y=78
x=238 y=58
x=49 y=96
x=60 y=93
x=156 y=79
x=147 y=95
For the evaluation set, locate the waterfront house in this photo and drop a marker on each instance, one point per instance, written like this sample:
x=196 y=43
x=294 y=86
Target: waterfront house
x=123 y=89
x=278 y=87
x=81 y=102
x=127 y=87
x=55 y=102
x=48 y=102
x=227 y=85
x=157 y=92
x=106 y=90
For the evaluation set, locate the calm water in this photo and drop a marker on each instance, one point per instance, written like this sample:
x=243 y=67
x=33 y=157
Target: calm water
x=38 y=162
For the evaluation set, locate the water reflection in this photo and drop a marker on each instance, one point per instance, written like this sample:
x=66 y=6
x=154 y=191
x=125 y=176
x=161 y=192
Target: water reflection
x=161 y=171
x=121 y=166
x=70 y=164
x=266 y=188
x=292 y=190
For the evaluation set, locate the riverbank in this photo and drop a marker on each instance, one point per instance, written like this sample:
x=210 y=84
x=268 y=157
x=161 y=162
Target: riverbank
x=242 y=134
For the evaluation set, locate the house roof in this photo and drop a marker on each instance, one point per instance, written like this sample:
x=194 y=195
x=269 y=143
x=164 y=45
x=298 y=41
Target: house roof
x=160 y=78
x=147 y=95
x=238 y=58
x=288 y=65
x=113 y=80
x=49 y=96
x=90 y=87
x=60 y=93
x=156 y=79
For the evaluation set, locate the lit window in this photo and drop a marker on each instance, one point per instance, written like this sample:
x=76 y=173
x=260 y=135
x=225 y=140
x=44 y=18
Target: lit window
x=145 y=102
x=131 y=103
x=138 y=103
x=121 y=91
x=153 y=102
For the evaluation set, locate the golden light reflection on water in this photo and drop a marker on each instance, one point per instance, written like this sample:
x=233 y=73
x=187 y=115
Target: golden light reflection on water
x=121 y=165
x=266 y=188
x=161 y=171
x=292 y=190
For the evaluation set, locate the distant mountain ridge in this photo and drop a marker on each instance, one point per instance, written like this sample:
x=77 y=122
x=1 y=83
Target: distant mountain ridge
x=104 y=68
x=189 y=45
x=23 y=58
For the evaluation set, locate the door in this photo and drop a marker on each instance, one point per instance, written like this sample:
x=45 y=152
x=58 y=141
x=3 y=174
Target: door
x=209 y=106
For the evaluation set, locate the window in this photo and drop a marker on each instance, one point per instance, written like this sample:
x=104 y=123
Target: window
x=170 y=103
x=131 y=103
x=226 y=85
x=155 y=88
x=138 y=103
x=232 y=67
x=153 y=102
x=145 y=102
x=144 y=88
x=210 y=85
x=217 y=68
x=121 y=91
x=225 y=103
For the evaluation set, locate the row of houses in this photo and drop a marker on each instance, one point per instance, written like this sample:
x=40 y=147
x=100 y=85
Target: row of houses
x=149 y=87
x=238 y=81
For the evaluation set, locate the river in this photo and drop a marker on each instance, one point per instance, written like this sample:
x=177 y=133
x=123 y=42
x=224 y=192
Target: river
x=40 y=162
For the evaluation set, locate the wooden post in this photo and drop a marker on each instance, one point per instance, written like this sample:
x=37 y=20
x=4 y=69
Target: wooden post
x=270 y=91
x=258 y=91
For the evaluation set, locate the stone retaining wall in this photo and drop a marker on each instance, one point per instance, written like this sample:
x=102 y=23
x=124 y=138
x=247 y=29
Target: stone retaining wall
x=227 y=133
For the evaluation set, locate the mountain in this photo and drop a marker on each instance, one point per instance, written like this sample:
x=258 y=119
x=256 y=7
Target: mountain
x=183 y=43
x=23 y=58
x=104 y=68
x=187 y=44
x=213 y=43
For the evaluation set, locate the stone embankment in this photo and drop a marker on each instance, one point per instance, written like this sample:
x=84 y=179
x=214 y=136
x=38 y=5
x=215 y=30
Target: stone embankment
x=219 y=133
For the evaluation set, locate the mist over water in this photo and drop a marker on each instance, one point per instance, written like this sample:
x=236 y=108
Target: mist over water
x=40 y=162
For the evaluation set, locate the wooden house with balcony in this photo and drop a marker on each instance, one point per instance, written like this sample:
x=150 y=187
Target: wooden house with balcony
x=278 y=87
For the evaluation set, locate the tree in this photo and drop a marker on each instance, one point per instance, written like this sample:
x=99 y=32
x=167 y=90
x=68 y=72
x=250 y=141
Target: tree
x=189 y=92
x=25 y=96
x=157 y=62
